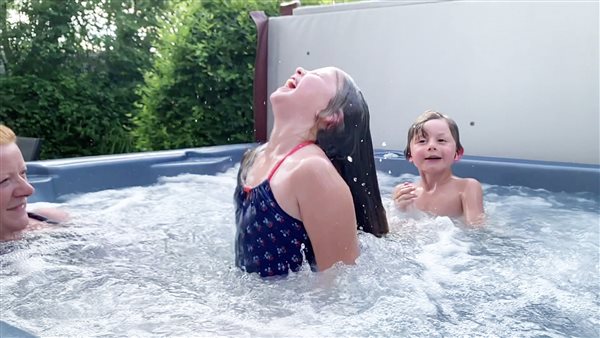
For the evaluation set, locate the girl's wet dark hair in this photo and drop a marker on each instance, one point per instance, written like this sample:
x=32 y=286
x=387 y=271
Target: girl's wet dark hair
x=349 y=146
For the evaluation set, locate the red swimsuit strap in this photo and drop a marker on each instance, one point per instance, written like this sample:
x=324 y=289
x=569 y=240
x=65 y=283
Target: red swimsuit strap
x=295 y=149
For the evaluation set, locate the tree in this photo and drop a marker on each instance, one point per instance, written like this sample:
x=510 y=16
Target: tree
x=70 y=69
x=199 y=91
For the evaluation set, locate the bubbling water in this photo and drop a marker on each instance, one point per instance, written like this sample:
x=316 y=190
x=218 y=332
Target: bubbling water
x=158 y=261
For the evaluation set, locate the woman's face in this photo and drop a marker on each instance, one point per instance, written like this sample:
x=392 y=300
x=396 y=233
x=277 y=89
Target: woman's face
x=311 y=89
x=14 y=190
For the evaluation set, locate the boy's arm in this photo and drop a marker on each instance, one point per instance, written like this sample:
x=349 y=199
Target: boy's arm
x=472 y=201
x=404 y=196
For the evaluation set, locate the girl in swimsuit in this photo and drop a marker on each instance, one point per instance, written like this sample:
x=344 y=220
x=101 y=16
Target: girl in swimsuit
x=301 y=196
x=14 y=190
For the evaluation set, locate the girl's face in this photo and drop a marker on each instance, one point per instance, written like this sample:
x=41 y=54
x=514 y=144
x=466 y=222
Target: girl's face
x=437 y=150
x=309 y=89
x=14 y=190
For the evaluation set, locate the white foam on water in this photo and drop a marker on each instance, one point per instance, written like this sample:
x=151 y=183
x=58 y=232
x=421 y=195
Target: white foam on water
x=159 y=261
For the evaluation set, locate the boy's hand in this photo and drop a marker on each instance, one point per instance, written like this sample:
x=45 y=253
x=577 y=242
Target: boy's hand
x=404 y=195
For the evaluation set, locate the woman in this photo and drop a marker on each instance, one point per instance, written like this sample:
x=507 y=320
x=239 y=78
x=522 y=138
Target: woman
x=14 y=190
x=301 y=196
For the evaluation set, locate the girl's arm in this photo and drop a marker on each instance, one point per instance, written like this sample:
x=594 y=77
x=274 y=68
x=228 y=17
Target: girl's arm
x=327 y=211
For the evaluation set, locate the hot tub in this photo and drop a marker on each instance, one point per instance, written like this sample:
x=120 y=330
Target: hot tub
x=149 y=252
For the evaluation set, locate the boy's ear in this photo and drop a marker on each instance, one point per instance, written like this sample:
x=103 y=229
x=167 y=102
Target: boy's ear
x=459 y=154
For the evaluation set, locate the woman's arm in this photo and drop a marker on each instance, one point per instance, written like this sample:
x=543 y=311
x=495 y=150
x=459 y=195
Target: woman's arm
x=327 y=211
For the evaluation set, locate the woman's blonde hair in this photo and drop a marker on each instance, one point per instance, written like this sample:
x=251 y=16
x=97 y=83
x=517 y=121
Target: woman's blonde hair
x=7 y=136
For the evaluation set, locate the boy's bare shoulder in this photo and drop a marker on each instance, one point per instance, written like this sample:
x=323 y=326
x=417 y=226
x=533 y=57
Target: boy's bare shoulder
x=471 y=182
x=471 y=185
x=466 y=180
x=466 y=184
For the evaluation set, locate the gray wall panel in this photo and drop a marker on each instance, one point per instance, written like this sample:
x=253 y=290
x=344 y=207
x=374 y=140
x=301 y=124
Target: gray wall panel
x=525 y=73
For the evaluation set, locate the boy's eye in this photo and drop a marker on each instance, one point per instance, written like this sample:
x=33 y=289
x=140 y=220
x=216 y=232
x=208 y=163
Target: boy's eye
x=2 y=181
x=441 y=140
x=421 y=141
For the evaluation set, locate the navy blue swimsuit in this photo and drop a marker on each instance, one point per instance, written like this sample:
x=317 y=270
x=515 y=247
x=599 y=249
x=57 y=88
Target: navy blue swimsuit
x=268 y=240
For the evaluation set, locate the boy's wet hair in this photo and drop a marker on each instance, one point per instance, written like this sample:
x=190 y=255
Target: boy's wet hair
x=417 y=130
x=348 y=144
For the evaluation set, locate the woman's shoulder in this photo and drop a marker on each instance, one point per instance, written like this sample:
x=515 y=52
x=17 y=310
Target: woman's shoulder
x=48 y=215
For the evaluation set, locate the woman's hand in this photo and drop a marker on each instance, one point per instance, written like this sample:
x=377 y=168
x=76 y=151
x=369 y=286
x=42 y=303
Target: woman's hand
x=404 y=195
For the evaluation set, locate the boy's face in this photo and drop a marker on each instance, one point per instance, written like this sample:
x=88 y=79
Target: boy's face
x=437 y=150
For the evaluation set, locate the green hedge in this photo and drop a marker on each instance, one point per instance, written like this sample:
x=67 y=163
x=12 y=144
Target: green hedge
x=186 y=82
x=73 y=114
x=200 y=89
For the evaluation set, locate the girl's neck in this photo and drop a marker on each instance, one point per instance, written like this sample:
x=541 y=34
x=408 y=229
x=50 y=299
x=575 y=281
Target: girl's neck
x=285 y=137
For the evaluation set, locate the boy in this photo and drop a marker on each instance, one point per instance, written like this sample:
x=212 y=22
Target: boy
x=433 y=146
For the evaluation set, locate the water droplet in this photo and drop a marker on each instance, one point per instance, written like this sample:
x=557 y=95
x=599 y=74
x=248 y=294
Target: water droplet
x=349 y=158
x=383 y=144
x=354 y=179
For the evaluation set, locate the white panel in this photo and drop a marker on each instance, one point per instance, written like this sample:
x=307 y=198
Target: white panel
x=525 y=73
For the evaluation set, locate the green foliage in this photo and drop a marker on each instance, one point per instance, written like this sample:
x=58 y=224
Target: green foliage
x=199 y=91
x=68 y=112
x=93 y=76
x=67 y=78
